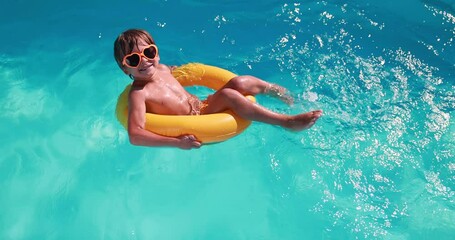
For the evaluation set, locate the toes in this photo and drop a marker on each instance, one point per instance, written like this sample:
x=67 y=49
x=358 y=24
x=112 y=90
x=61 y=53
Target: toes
x=317 y=113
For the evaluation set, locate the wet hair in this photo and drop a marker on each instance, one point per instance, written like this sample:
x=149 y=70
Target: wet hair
x=127 y=40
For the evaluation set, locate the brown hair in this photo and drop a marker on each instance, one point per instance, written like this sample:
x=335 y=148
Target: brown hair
x=127 y=40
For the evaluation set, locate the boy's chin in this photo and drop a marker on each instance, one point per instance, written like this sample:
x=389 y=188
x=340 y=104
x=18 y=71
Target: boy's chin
x=147 y=72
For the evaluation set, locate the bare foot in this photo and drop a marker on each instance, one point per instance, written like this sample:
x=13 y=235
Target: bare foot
x=279 y=92
x=302 y=121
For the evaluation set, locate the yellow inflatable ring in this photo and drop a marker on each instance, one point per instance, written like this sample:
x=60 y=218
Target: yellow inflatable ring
x=207 y=128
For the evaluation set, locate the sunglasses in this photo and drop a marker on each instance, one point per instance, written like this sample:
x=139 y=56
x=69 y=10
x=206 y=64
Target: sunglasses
x=133 y=60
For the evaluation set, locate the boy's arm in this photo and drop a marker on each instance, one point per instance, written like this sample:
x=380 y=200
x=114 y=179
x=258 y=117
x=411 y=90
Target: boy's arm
x=139 y=136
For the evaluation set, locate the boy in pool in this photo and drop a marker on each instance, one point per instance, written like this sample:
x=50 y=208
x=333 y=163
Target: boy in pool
x=155 y=90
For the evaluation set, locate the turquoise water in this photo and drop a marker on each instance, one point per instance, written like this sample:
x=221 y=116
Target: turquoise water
x=378 y=165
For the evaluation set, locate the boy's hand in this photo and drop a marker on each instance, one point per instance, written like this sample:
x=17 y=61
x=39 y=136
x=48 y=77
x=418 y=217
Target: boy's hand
x=172 y=67
x=188 y=142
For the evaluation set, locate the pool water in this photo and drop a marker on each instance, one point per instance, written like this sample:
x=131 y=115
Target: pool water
x=378 y=165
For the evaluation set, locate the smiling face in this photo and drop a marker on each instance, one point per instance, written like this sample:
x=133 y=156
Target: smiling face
x=135 y=41
x=146 y=67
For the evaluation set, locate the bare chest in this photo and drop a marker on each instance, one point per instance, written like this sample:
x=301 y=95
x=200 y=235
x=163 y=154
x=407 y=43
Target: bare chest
x=167 y=99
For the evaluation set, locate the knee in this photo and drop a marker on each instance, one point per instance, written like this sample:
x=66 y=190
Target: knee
x=228 y=93
x=240 y=83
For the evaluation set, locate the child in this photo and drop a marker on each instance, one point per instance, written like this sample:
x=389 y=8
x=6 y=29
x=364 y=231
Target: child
x=155 y=90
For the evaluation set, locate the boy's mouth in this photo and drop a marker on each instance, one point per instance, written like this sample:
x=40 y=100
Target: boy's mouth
x=145 y=68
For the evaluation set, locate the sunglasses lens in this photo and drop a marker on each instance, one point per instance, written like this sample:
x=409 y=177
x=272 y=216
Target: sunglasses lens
x=150 y=52
x=133 y=60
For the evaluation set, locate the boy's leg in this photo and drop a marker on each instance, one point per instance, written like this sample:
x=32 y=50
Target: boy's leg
x=227 y=98
x=250 y=85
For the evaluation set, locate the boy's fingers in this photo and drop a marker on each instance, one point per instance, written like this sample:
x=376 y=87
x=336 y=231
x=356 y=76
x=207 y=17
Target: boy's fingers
x=197 y=143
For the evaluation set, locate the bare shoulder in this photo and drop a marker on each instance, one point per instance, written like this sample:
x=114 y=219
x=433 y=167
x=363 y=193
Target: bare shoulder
x=167 y=67
x=136 y=94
